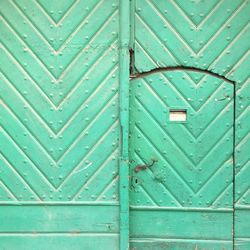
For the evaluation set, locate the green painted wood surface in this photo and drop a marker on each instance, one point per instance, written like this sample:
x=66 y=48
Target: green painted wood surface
x=210 y=35
x=60 y=132
x=59 y=241
x=64 y=117
x=194 y=159
x=60 y=218
x=56 y=102
x=181 y=224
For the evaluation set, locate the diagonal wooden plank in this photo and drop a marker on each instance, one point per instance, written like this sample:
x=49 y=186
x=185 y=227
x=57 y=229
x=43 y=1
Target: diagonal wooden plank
x=19 y=160
x=184 y=175
x=61 y=113
x=84 y=190
x=5 y=193
x=14 y=182
x=207 y=37
x=57 y=10
x=151 y=122
x=214 y=122
x=88 y=166
x=169 y=197
x=197 y=18
x=73 y=61
x=60 y=80
x=173 y=173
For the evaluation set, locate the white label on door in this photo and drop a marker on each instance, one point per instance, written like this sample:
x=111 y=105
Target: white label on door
x=178 y=115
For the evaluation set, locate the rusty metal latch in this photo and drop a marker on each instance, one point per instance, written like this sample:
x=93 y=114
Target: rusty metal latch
x=138 y=168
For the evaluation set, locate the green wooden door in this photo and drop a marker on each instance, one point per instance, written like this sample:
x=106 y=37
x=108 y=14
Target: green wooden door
x=64 y=116
x=181 y=156
x=59 y=125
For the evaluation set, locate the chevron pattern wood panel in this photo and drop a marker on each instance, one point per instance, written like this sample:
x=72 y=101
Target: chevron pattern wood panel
x=60 y=135
x=59 y=109
x=182 y=170
x=194 y=165
x=209 y=35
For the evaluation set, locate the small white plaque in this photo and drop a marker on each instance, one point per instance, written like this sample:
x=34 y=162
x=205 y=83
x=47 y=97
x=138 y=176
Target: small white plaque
x=178 y=115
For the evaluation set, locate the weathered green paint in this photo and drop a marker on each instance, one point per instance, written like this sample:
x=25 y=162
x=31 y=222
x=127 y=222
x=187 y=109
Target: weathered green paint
x=171 y=33
x=48 y=219
x=60 y=131
x=65 y=121
x=213 y=36
x=124 y=123
x=194 y=158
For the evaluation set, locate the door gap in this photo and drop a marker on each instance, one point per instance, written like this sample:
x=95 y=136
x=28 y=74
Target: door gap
x=135 y=74
x=131 y=61
x=234 y=166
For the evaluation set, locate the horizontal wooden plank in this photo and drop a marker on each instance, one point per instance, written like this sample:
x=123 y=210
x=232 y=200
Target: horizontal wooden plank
x=62 y=242
x=177 y=244
x=184 y=224
x=242 y=244
x=60 y=218
x=242 y=223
